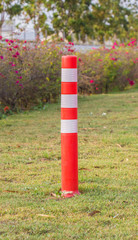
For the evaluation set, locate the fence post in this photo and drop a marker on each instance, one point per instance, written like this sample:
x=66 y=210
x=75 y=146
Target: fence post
x=69 y=127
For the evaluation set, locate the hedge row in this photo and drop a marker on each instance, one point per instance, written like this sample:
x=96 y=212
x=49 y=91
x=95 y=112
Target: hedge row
x=31 y=74
x=102 y=70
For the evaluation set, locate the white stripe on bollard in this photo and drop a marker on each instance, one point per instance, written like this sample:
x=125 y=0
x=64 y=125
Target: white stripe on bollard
x=69 y=126
x=69 y=101
x=69 y=75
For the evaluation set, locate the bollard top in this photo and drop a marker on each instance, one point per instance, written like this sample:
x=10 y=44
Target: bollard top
x=69 y=61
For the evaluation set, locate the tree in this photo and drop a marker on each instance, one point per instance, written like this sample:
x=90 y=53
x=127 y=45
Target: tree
x=72 y=16
x=111 y=19
x=133 y=18
x=99 y=19
x=35 y=10
x=10 y=8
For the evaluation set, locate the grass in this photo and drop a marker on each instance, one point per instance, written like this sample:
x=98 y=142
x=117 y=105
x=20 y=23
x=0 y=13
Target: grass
x=30 y=205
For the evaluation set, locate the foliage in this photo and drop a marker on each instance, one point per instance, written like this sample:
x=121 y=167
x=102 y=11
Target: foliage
x=4 y=111
x=111 y=19
x=36 y=11
x=10 y=7
x=102 y=19
x=72 y=17
x=133 y=19
x=102 y=70
x=30 y=74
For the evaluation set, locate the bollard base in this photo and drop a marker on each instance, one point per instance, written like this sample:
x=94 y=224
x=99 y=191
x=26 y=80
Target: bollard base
x=69 y=194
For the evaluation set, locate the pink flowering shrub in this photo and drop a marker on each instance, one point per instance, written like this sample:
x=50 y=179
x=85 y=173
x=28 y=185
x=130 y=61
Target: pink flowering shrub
x=29 y=74
x=102 y=70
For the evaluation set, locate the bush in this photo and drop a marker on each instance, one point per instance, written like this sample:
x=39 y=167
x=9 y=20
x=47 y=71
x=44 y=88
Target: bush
x=30 y=74
x=102 y=70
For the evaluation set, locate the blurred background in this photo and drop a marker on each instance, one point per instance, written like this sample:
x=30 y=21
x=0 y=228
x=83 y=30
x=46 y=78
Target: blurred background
x=83 y=22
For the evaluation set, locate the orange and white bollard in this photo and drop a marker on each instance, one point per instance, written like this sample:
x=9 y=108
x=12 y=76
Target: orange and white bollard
x=69 y=127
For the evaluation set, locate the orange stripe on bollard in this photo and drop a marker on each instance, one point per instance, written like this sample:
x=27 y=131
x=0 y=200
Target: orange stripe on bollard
x=69 y=153
x=68 y=113
x=69 y=61
x=69 y=88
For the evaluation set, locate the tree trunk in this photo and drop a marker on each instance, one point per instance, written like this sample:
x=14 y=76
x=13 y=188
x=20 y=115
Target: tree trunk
x=37 y=34
x=0 y=30
x=106 y=88
x=2 y=21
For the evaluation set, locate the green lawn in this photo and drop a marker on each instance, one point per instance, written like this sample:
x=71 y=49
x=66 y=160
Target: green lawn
x=30 y=172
